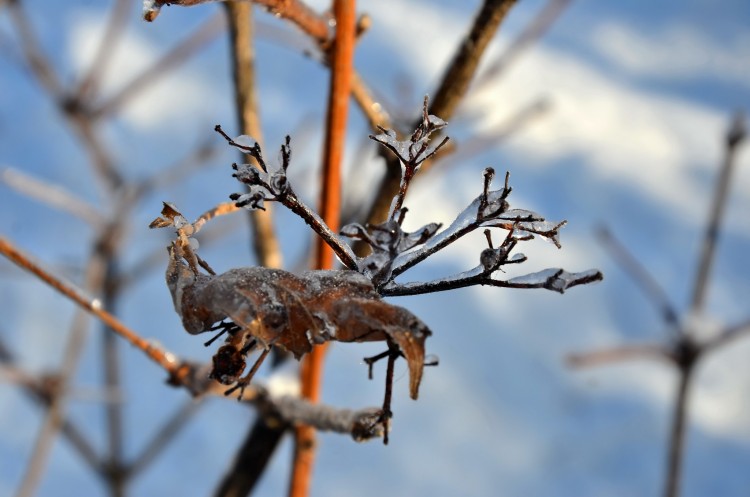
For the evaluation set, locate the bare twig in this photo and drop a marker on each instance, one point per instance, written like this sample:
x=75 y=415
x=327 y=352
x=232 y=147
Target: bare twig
x=165 y=359
x=117 y=21
x=95 y=275
x=729 y=335
x=677 y=434
x=161 y=67
x=456 y=79
x=55 y=196
x=452 y=89
x=296 y=11
x=619 y=354
x=539 y=25
x=642 y=278
x=735 y=136
x=239 y=14
x=36 y=59
x=39 y=392
x=163 y=436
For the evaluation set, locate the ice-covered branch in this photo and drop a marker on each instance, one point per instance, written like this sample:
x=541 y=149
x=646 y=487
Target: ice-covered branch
x=266 y=184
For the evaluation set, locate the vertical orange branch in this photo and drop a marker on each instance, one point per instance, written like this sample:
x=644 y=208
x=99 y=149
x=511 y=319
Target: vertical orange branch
x=342 y=55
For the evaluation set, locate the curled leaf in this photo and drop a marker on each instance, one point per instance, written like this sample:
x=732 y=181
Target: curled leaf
x=272 y=307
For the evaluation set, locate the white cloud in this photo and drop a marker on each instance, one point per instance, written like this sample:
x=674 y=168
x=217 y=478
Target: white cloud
x=679 y=51
x=621 y=135
x=179 y=94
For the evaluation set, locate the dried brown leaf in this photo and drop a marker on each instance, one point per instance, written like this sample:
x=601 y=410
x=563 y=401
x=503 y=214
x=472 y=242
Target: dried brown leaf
x=272 y=307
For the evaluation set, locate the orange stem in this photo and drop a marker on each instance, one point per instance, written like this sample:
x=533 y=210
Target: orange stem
x=342 y=56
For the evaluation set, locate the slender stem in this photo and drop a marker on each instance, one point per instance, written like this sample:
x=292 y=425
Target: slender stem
x=71 y=357
x=677 y=436
x=452 y=89
x=239 y=15
x=164 y=435
x=112 y=380
x=338 y=105
x=735 y=136
x=54 y=196
x=93 y=306
x=74 y=435
x=172 y=59
x=110 y=37
x=642 y=278
x=618 y=354
x=538 y=26
x=463 y=66
x=309 y=21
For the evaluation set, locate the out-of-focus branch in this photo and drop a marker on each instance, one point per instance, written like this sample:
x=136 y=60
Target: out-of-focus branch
x=490 y=136
x=239 y=14
x=161 y=67
x=729 y=335
x=110 y=37
x=165 y=359
x=683 y=351
x=456 y=79
x=530 y=34
x=39 y=391
x=311 y=374
x=74 y=346
x=619 y=354
x=38 y=62
x=677 y=435
x=164 y=435
x=296 y=11
x=55 y=196
x=642 y=278
x=72 y=110
x=452 y=88
x=735 y=136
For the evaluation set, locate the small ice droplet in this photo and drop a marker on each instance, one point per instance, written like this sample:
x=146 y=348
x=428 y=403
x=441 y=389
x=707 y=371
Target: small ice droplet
x=194 y=244
x=179 y=221
x=96 y=304
x=245 y=141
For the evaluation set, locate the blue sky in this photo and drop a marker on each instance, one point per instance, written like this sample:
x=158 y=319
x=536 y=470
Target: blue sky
x=640 y=95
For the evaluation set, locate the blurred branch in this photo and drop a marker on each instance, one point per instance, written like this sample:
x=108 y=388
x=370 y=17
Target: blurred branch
x=37 y=61
x=490 y=136
x=456 y=79
x=74 y=347
x=533 y=32
x=618 y=354
x=165 y=359
x=684 y=351
x=39 y=391
x=311 y=373
x=239 y=15
x=729 y=335
x=163 y=436
x=70 y=108
x=161 y=67
x=110 y=37
x=452 y=88
x=642 y=278
x=735 y=136
x=677 y=434
x=55 y=196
